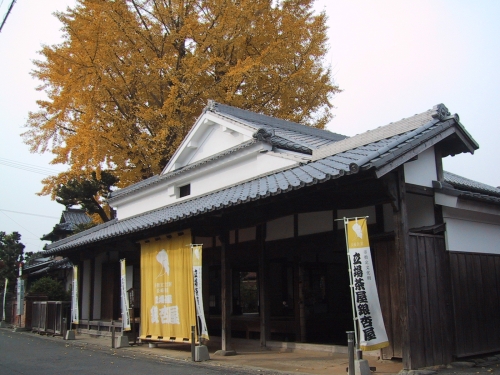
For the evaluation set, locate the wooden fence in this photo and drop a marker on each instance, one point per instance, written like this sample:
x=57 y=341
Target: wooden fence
x=50 y=317
x=476 y=300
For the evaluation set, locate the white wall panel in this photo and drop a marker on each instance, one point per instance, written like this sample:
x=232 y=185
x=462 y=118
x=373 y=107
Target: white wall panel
x=280 y=228
x=423 y=170
x=469 y=231
x=357 y=212
x=315 y=222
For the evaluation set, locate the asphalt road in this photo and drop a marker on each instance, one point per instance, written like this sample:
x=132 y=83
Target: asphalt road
x=29 y=354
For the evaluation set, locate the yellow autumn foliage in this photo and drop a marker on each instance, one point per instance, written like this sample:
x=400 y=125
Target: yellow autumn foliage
x=131 y=77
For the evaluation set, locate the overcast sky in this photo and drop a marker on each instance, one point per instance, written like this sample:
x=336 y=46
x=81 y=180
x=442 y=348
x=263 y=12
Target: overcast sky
x=392 y=59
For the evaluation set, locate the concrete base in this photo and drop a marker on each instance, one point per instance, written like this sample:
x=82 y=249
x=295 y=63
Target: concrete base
x=225 y=353
x=19 y=329
x=70 y=335
x=361 y=367
x=153 y=345
x=121 y=342
x=201 y=353
x=3 y=324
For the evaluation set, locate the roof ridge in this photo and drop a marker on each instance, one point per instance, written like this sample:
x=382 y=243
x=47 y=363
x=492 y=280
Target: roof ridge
x=437 y=113
x=247 y=116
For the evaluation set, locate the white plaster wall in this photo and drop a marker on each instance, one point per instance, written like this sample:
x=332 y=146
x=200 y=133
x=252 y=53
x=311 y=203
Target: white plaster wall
x=357 y=212
x=215 y=141
x=213 y=179
x=315 y=222
x=423 y=170
x=420 y=210
x=279 y=228
x=469 y=231
x=85 y=309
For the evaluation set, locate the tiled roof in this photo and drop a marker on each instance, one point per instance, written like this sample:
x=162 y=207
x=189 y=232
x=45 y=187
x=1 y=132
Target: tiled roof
x=304 y=135
x=372 y=155
x=75 y=216
x=462 y=183
x=469 y=189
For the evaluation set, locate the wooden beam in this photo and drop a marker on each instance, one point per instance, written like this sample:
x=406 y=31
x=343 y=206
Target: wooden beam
x=226 y=347
x=402 y=247
x=263 y=295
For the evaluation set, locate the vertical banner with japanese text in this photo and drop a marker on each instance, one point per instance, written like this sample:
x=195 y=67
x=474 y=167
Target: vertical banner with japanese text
x=198 y=292
x=4 y=298
x=75 y=318
x=20 y=296
x=125 y=304
x=167 y=297
x=371 y=324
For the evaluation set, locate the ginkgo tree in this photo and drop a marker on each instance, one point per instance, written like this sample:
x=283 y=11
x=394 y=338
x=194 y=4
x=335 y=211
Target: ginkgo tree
x=131 y=77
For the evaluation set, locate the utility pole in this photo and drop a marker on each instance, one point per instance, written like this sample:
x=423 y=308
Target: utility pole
x=7 y=15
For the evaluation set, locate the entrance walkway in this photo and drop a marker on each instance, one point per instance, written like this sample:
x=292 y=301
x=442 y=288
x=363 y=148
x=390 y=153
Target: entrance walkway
x=281 y=357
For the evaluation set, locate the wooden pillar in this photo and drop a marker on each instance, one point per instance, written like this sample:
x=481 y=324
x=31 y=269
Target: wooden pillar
x=302 y=306
x=226 y=347
x=263 y=277
x=402 y=247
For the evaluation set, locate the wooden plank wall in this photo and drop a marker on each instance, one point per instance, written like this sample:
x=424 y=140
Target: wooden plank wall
x=384 y=257
x=430 y=302
x=476 y=297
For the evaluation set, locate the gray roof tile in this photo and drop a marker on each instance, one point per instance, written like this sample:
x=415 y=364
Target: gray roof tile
x=462 y=183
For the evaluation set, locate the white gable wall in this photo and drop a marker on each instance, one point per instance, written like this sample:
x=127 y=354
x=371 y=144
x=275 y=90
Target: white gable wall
x=210 y=135
x=213 y=176
x=423 y=170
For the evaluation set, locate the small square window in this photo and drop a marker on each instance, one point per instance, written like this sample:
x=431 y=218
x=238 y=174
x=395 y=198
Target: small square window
x=185 y=190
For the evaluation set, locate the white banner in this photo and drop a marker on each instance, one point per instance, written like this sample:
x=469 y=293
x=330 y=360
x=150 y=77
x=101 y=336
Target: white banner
x=125 y=303
x=20 y=296
x=75 y=318
x=198 y=295
x=4 y=297
x=370 y=321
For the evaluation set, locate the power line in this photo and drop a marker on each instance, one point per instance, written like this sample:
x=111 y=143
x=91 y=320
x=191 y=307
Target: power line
x=26 y=213
x=7 y=15
x=28 y=167
x=26 y=229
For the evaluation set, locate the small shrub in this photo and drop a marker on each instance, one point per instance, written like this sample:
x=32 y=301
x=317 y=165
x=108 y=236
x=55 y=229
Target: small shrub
x=53 y=289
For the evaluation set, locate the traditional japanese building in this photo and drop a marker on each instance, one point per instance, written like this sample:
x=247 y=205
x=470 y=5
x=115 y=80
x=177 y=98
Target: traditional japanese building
x=263 y=195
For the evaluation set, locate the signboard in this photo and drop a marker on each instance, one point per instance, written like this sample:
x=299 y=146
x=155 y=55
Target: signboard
x=75 y=318
x=124 y=296
x=372 y=334
x=198 y=293
x=167 y=292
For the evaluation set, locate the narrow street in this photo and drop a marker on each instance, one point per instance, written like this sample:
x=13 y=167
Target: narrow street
x=29 y=354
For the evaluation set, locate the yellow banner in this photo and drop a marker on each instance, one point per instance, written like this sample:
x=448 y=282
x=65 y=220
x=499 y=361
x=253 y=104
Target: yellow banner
x=357 y=233
x=167 y=297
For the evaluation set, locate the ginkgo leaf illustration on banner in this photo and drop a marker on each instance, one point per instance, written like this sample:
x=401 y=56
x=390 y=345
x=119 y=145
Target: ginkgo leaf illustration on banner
x=162 y=258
